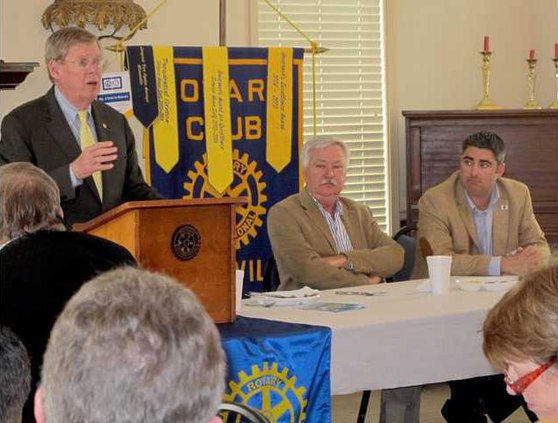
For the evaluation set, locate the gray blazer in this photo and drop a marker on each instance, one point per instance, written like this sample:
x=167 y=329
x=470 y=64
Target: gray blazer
x=300 y=236
x=38 y=132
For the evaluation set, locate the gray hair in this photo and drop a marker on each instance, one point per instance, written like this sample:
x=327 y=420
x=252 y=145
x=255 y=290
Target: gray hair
x=15 y=376
x=29 y=200
x=133 y=346
x=319 y=142
x=59 y=42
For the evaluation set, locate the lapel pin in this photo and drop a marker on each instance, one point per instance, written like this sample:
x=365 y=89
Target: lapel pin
x=105 y=126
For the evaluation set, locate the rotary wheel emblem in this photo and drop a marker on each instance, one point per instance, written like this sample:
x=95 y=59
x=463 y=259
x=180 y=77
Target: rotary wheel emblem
x=247 y=183
x=186 y=242
x=270 y=390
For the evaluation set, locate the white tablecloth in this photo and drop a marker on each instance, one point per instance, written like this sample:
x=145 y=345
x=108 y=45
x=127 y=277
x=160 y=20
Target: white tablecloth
x=403 y=338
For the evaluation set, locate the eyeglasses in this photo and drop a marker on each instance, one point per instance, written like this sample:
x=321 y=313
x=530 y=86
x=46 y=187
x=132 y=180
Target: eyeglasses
x=519 y=385
x=86 y=63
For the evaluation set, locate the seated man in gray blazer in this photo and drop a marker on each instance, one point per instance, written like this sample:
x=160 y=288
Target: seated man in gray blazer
x=486 y=223
x=325 y=241
x=86 y=146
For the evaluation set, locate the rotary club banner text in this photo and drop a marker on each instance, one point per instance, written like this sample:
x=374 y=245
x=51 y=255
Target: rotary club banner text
x=222 y=122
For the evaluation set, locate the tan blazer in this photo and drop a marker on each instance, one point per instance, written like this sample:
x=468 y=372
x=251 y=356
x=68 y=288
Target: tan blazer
x=446 y=221
x=549 y=419
x=299 y=236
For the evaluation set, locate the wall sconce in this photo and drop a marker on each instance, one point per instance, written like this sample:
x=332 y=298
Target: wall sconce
x=108 y=16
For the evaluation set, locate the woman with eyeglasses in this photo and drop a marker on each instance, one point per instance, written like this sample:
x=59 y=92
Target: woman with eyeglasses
x=521 y=337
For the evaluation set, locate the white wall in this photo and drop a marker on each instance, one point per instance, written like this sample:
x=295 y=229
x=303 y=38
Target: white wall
x=433 y=60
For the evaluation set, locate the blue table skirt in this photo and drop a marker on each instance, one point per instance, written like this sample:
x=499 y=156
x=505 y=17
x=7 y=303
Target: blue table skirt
x=280 y=368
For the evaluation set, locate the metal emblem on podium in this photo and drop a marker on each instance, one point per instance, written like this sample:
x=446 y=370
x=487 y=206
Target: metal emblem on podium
x=186 y=242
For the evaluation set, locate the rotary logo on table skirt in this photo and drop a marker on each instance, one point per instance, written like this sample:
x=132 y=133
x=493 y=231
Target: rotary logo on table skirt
x=272 y=390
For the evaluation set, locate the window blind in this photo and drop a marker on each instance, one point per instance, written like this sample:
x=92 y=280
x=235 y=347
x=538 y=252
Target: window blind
x=350 y=83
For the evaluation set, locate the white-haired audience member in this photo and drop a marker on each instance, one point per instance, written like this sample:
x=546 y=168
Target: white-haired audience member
x=15 y=376
x=132 y=346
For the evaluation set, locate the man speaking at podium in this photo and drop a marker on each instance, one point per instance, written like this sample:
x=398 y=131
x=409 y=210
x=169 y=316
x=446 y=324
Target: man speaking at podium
x=86 y=146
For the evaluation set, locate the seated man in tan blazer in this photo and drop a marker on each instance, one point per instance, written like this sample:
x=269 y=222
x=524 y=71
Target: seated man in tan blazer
x=323 y=240
x=326 y=241
x=483 y=220
x=486 y=223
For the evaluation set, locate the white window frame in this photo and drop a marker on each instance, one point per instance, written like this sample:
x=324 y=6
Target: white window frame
x=359 y=117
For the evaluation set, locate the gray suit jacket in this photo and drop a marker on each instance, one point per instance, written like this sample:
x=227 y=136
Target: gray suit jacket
x=38 y=132
x=446 y=221
x=300 y=236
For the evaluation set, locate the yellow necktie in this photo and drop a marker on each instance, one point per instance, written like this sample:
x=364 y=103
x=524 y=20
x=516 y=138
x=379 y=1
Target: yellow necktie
x=86 y=139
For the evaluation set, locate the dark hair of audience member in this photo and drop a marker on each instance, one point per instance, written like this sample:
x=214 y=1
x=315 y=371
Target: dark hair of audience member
x=15 y=376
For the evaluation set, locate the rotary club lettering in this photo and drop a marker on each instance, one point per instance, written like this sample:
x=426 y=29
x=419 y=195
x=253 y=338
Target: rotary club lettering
x=243 y=127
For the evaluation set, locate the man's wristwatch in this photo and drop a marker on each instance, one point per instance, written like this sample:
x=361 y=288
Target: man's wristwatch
x=350 y=265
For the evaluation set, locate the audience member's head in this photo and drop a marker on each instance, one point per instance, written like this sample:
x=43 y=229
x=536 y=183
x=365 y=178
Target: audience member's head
x=132 y=346
x=15 y=376
x=521 y=337
x=29 y=201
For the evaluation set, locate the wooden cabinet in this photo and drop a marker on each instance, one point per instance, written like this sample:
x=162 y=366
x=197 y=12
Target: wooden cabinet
x=531 y=136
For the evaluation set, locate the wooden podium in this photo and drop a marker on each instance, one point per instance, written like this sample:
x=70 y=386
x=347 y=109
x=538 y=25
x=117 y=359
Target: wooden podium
x=191 y=240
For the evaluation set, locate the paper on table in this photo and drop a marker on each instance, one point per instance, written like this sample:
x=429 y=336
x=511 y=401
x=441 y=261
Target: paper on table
x=475 y=283
x=298 y=293
x=260 y=300
x=333 y=307
x=485 y=283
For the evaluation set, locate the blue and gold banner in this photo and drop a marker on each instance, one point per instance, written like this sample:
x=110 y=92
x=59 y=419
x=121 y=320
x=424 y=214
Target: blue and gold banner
x=144 y=84
x=279 y=107
x=165 y=127
x=217 y=114
x=265 y=142
x=280 y=368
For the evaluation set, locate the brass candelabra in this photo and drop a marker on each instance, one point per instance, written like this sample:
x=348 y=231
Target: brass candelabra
x=531 y=79
x=554 y=104
x=486 y=103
